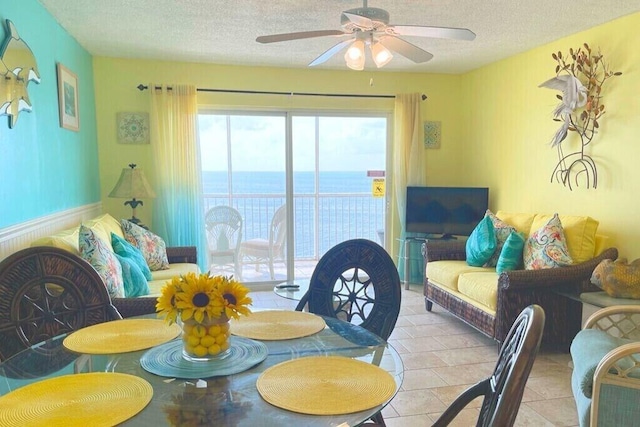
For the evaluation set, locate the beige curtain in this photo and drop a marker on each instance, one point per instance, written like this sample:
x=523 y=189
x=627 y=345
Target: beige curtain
x=408 y=165
x=178 y=208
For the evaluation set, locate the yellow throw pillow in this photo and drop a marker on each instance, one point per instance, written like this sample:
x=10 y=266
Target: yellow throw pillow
x=521 y=221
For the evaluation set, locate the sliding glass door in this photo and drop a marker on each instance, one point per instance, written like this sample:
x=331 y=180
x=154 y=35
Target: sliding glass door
x=299 y=181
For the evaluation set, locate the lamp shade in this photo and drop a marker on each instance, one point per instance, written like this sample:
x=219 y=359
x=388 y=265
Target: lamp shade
x=354 y=56
x=132 y=185
x=381 y=55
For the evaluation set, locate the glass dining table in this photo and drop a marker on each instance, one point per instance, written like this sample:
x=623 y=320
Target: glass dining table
x=229 y=401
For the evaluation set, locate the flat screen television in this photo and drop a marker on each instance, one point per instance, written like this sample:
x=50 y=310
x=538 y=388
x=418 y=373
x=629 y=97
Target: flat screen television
x=445 y=211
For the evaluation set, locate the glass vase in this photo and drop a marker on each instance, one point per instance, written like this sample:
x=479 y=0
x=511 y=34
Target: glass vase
x=206 y=340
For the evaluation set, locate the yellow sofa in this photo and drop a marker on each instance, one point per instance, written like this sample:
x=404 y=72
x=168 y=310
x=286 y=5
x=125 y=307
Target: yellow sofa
x=490 y=302
x=182 y=260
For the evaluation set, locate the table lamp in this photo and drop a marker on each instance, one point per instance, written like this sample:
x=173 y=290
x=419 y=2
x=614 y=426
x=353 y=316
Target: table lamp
x=134 y=185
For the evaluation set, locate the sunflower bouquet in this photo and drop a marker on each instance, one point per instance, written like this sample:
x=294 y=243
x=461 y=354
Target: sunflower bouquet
x=203 y=304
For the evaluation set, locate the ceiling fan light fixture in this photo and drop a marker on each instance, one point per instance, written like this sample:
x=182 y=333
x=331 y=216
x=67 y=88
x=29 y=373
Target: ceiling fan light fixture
x=354 y=56
x=381 y=55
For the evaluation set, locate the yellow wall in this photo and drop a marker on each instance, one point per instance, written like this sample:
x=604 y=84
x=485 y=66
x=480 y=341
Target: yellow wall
x=508 y=126
x=496 y=123
x=115 y=91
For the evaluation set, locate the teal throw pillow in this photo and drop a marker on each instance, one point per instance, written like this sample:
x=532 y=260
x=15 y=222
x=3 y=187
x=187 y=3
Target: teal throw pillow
x=135 y=284
x=127 y=250
x=481 y=244
x=511 y=253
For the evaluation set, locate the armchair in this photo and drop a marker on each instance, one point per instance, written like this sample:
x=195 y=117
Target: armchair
x=606 y=375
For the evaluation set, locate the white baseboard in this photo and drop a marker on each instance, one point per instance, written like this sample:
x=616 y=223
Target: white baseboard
x=20 y=236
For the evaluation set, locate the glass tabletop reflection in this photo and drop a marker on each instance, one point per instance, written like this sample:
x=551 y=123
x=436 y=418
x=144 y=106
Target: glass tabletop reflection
x=228 y=400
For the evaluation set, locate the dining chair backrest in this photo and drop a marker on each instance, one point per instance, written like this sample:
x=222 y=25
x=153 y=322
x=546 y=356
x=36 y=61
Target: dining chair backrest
x=503 y=390
x=224 y=234
x=356 y=281
x=45 y=292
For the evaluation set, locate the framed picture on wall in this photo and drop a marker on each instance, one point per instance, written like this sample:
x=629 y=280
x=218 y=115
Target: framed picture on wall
x=68 y=99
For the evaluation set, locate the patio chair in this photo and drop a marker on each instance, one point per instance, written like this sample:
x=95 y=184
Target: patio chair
x=224 y=234
x=503 y=390
x=45 y=292
x=261 y=251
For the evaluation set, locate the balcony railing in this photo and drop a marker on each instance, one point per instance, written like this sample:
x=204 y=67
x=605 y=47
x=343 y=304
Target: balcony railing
x=321 y=220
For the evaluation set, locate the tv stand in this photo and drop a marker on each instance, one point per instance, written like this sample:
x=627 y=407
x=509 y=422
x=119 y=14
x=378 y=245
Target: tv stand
x=444 y=236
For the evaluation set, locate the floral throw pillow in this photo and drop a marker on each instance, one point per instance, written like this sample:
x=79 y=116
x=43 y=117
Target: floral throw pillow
x=151 y=245
x=547 y=247
x=103 y=260
x=502 y=230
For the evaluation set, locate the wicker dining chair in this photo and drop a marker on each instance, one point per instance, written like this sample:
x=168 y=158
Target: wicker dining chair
x=356 y=281
x=503 y=390
x=45 y=292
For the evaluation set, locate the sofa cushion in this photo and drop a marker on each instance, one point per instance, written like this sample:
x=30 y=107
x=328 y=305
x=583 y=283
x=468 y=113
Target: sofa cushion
x=547 y=247
x=160 y=277
x=65 y=239
x=587 y=350
x=521 y=221
x=501 y=230
x=481 y=244
x=125 y=249
x=511 y=254
x=481 y=287
x=100 y=256
x=580 y=233
x=135 y=284
x=446 y=272
x=152 y=246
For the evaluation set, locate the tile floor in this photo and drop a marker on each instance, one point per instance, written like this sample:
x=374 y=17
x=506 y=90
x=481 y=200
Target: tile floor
x=442 y=356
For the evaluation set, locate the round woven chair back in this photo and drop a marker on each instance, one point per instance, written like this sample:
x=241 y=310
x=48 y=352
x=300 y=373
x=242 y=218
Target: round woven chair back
x=45 y=292
x=356 y=281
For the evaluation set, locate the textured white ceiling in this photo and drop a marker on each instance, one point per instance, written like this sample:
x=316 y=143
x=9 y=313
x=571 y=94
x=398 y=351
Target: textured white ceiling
x=224 y=32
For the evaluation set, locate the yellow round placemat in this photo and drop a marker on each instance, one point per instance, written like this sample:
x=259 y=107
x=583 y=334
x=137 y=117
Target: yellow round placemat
x=91 y=399
x=121 y=336
x=331 y=385
x=277 y=325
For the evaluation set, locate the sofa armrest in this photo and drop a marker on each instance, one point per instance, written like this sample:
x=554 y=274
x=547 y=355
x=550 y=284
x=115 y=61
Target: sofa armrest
x=129 y=307
x=438 y=250
x=186 y=254
x=519 y=288
x=553 y=277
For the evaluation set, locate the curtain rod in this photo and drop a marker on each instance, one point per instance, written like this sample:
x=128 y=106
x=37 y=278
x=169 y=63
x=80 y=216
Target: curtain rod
x=142 y=87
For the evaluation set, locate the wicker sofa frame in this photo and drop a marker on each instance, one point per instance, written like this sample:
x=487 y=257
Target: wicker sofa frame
x=516 y=290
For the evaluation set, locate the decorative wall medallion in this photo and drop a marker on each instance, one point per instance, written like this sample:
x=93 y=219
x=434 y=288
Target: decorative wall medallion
x=133 y=128
x=432 y=133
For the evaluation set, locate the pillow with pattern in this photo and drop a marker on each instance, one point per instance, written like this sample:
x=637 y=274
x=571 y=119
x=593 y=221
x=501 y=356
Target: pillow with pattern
x=103 y=260
x=151 y=245
x=502 y=230
x=547 y=247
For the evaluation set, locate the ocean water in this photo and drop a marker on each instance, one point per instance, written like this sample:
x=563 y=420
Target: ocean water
x=343 y=207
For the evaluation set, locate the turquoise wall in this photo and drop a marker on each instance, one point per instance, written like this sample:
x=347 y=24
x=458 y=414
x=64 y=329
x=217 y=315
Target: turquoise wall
x=44 y=168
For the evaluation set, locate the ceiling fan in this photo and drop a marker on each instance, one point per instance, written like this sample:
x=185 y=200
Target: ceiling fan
x=369 y=26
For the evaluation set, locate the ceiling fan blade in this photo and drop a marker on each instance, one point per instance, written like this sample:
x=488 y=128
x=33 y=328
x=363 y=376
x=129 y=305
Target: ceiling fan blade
x=435 y=32
x=406 y=49
x=331 y=51
x=273 y=38
x=360 y=21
